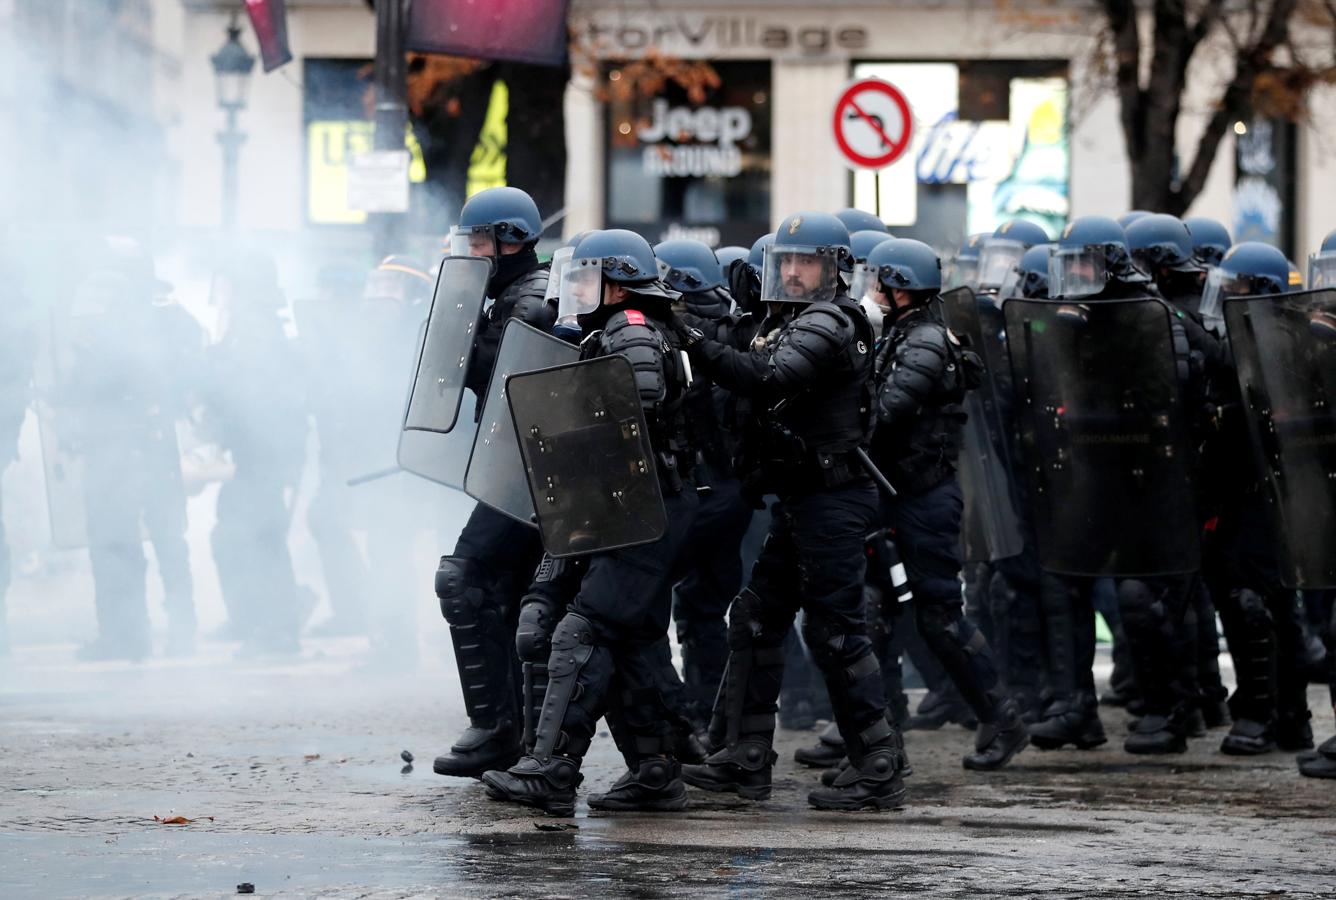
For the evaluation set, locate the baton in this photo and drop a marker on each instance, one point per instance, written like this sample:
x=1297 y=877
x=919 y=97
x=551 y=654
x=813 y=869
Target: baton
x=871 y=469
x=372 y=476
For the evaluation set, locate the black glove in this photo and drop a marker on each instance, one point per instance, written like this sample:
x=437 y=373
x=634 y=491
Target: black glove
x=745 y=285
x=686 y=333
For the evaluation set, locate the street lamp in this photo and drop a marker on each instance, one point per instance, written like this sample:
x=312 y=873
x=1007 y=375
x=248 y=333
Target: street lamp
x=231 y=70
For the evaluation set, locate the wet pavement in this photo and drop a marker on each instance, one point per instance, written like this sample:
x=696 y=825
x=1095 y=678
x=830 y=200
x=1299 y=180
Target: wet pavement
x=292 y=777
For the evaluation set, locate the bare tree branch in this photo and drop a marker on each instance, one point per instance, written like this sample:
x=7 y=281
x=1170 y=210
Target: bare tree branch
x=1236 y=100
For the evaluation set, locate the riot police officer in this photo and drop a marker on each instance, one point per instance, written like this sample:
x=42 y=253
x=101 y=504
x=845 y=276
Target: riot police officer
x=809 y=377
x=1241 y=555
x=1162 y=246
x=923 y=376
x=714 y=573
x=1090 y=263
x=606 y=651
x=479 y=585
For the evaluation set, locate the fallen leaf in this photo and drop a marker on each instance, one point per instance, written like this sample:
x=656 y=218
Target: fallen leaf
x=180 y=820
x=310 y=756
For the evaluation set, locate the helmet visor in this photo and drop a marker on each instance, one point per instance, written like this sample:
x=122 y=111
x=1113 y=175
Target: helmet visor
x=1077 y=272
x=581 y=288
x=1220 y=286
x=961 y=273
x=862 y=283
x=561 y=261
x=472 y=240
x=797 y=275
x=997 y=261
x=1322 y=270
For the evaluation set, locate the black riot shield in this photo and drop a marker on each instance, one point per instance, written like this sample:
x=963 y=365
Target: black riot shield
x=447 y=347
x=1104 y=436
x=990 y=529
x=438 y=457
x=587 y=456
x=495 y=473
x=1285 y=350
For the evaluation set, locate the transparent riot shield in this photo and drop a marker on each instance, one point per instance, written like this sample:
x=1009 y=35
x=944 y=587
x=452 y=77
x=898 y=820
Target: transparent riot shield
x=587 y=456
x=991 y=527
x=446 y=349
x=1104 y=437
x=495 y=473
x=1285 y=350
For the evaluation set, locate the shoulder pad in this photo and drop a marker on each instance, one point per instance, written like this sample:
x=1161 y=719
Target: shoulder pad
x=929 y=335
x=826 y=319
x=528 y=285
x=630 y=327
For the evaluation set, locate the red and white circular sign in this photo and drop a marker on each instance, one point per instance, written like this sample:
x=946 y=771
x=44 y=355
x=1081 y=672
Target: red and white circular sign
x=872 y=124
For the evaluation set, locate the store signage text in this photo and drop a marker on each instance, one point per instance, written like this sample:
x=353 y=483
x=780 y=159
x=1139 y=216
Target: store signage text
x=717 y=129
x=722 y=33
x=959 y=152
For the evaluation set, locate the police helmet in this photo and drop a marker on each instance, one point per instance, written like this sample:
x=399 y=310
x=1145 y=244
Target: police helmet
x=756 y=255
x=962 y=270
x=399 y=278
x=615 y=256
x=1003 y=249
x=1162 y=241
x=861 y=244
x=729 y=255
x=688 y=266
x=907 y=265
x=1091 y=252
x=1210 y=239
x=1322 y=264
x=804 y=264
x=1249 y=269
x=859 y=220
x=1128 y=218
x=499 y=215
x=1028 y=279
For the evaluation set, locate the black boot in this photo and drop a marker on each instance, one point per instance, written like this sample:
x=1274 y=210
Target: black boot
x=1319 y=763
x=481 y=747
x=875 y=783
x=1074 y=721
x=1248 y=737
x=997 y=742
x=549 y=786
x=485 y=656
x=743 y=769
x=825 y=753
x=655 y=785
x=937 y=708
x=1156 y=734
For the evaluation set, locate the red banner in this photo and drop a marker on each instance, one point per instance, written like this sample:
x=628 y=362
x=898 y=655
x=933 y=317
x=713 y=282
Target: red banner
x=270 y=20
x=527 y=31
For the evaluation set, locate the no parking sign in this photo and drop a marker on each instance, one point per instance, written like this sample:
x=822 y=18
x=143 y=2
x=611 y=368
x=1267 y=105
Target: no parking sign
x=872 y=124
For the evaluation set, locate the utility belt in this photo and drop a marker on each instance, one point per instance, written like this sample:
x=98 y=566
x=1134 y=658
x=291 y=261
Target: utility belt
x=812 y=472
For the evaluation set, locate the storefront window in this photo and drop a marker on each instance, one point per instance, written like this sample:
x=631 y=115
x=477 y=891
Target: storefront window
x=681 y=169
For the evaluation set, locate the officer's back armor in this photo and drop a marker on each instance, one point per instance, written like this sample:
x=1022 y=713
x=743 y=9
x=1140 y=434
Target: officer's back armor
x=920 y=371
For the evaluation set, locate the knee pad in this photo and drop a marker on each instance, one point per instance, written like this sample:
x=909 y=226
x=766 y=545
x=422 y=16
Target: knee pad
x=572 y=645
x=831 y=641
x=935 y=619
x=538 y=619
x=456 y=579
x=1256 y=614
